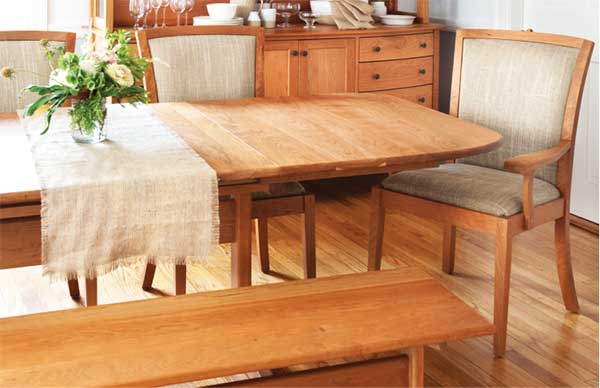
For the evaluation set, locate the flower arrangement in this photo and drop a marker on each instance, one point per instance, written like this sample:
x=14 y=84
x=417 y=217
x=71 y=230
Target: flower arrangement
x=88 y=79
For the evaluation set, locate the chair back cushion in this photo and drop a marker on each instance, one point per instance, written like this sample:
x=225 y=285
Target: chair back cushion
x=204 y=67
x=519 y=89
x=29 y=59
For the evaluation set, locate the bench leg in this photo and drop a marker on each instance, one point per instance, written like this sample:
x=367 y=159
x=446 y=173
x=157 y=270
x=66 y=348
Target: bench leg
x=308 y=237
x=448 y=248
x=376 y=225
x=261 y=228
x=241 y=251
x=180 y=279
x=149 y=276
x=416 y=366
x=91 y=292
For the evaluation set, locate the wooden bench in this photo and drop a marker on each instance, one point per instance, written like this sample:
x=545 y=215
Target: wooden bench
x=221 y=333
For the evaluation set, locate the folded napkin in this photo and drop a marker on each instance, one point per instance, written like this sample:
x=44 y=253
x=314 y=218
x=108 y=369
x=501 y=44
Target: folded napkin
x=352 y=14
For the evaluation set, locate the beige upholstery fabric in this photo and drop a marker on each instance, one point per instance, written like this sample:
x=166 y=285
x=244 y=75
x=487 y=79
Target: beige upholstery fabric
x=204 y=67
x=472 y=187
x=518 y=89
x=281 y=190
x=26 y=57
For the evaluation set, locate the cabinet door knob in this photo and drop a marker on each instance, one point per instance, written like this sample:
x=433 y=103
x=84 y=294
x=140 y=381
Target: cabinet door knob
x=295 y=53
x=422 y=100
x=376 y=76
x=377 y=49
x=304 y=53
x=422 y=71
x=424 y=45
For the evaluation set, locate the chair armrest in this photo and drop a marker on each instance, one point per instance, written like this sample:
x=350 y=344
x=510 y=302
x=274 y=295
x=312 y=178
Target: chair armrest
x=527 y=164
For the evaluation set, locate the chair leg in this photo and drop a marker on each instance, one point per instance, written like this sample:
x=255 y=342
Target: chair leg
x=74 y=288
x=149 y=276
x=261 y=227
x=376 y=225
x=180 y=279
x=502 y=286
x=91 y=292
x=308 y=237
x=449 y=248
x=563 y=263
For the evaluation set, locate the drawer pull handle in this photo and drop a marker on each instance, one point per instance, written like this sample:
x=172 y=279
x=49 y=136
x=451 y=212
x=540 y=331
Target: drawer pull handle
x=422 y=71
x=377 y=49
x=304 y=53
x=422 y=100
x=424 y=45
x=376 y=76
x=295 y=53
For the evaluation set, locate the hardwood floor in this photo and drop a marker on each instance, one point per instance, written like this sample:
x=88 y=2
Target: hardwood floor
x=546 y=345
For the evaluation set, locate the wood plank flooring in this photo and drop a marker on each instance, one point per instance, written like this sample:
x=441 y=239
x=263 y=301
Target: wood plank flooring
x=546 y=346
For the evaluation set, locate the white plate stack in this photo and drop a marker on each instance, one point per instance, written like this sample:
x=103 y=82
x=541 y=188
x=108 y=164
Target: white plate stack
x=208 y=21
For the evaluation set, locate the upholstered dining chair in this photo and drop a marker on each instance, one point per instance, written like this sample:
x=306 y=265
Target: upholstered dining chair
x=222 y=62
x=528 y=87
x=22 y=51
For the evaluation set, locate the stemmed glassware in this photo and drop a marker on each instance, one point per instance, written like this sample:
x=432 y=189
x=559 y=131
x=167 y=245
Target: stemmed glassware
x=189 y=7
x=178 y=7
x=309 y=18
x=286 y=10
x=164 y=4
x=155 y=5
x=138 y=9
x=148 y=8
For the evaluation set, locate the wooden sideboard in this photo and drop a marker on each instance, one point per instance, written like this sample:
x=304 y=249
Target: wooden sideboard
x=300 y=62
x=401 y=60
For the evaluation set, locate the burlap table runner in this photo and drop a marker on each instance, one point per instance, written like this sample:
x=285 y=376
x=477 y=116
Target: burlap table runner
x=144 y=194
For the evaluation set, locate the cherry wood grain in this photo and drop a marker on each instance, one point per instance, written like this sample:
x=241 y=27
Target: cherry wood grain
x=190 y=337
x=422 y=95
x=397 y=47
x=260 y=139
x=395 y=74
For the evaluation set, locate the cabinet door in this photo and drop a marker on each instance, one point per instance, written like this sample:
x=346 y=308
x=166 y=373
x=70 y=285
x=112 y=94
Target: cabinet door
x=327 y=66
x=281 y=68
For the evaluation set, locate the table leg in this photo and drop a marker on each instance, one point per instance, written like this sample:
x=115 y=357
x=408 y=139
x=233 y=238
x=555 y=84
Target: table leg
x=91 y=292
x=416 y=366
x=241 y=251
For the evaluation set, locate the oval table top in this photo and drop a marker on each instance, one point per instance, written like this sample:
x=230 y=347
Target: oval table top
x=269 y=140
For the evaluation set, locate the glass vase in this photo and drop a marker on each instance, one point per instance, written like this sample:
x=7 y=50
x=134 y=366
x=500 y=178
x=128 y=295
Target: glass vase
x=90 y=136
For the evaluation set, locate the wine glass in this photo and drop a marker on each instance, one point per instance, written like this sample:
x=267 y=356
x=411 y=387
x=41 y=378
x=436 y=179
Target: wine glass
x=286 y=10
x=137 y=9
x=178 y=7
x=147 y=9
x=164 y=4
x=309 y=18
x=188 y=8
x=155 y=5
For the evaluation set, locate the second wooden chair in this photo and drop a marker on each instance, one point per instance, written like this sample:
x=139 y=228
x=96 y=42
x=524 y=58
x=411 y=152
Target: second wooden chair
x=209 y=63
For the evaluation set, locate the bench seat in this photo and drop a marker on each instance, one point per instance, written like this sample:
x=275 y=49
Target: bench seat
x=220 y=333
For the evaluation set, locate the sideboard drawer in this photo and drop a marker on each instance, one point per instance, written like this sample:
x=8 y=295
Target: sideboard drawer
x=395 y=47
x=422 y=95
x=395 y=74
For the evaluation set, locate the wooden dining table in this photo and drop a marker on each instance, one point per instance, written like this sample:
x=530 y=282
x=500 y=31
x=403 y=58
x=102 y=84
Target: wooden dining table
x=253 y=143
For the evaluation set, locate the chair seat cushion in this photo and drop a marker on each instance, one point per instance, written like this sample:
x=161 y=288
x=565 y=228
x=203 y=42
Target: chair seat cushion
x=486 y=190
x=281 y=190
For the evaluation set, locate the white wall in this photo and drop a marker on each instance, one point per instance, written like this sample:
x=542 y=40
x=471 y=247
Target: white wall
x=67 y=15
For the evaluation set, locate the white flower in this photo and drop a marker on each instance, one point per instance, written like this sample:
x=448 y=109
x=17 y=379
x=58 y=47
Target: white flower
x=89 y=66
x=59 y=77
x=120 y=74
